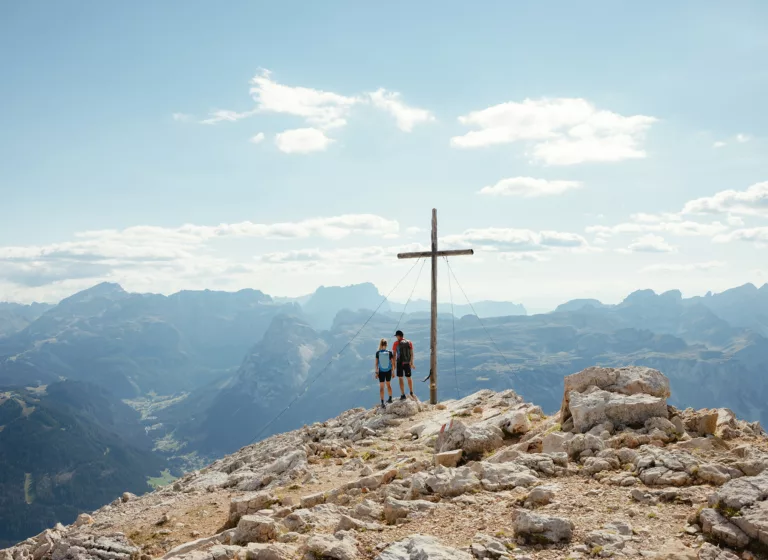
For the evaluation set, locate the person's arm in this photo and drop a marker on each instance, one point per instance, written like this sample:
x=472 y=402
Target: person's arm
x=412 y=356
x=376 y=366
x=394 y=348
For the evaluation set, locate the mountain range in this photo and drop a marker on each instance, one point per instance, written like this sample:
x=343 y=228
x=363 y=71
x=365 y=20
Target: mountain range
x=166 y=383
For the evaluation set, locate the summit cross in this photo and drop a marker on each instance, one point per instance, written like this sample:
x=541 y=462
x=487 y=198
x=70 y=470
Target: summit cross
x=433 y=254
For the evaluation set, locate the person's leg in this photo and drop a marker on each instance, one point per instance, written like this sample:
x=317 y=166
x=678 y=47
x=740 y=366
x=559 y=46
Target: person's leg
x=400 y=379
x=381 y=391
x=410 y=384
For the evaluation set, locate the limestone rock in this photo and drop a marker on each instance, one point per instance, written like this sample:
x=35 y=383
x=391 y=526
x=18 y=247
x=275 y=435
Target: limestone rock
x=631 y=380
x=422 y=547
x=710 y=552
x=449 y=458
x=721 y=529
x=445 y=482
x=271 y=551
x=675 y=550
x=741 y=492
x=542 y=529
x=255 y=528
x=400 y=509
x=753 y=520
x=249 y=503
x=327 y=546
x=473 y=440
x=504 y=476
x=541 y=496
x=347 y=523
x=485 y=546
x=83 y=520
x=598 y=407
x=702 y=422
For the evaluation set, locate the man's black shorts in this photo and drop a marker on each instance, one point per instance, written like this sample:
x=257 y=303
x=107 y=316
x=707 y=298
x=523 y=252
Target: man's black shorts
x=403 y=369
x=385 y=376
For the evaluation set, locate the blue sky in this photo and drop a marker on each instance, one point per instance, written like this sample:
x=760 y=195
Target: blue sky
x=623 y=144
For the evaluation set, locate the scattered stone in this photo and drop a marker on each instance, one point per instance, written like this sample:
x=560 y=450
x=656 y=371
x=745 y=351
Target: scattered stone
x=326 y=546
x=400 y=509
x=449 y=458
x=535 y=528
x=422 y=547
x=255 y=528
x=540 y=496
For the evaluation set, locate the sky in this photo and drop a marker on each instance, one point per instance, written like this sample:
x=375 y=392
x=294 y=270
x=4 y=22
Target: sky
x=583 y=149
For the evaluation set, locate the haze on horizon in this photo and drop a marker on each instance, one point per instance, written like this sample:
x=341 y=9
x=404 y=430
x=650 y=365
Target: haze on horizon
x=165 y=147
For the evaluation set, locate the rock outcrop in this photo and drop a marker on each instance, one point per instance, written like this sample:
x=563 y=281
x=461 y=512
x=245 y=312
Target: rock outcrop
x=618 y=473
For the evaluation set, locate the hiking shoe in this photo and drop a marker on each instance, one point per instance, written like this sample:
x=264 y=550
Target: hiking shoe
x=383 y=405
x=389 y=400
x=402 y=397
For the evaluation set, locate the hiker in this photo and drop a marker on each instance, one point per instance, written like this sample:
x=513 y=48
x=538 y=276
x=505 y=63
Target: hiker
x=403 y=350
x=384 y=361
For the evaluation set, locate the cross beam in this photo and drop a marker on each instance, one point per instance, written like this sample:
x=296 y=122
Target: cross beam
x=433 y=254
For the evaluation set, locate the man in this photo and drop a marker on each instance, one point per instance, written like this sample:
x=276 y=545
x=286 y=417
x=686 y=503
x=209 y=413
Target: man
x=403 y=350
x=384 y=361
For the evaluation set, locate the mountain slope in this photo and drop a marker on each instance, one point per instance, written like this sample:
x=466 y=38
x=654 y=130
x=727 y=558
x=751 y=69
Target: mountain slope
x=64 y=449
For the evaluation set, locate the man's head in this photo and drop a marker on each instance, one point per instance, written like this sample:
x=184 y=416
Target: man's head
x=399 y=335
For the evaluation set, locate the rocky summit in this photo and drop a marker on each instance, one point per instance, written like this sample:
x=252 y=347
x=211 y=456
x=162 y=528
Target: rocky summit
x=616 y=473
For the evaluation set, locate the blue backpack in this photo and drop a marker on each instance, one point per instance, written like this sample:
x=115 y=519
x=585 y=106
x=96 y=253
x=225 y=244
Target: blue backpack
x=385 y=360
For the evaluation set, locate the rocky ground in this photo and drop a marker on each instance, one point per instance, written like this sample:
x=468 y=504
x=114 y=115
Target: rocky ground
x=617 y=473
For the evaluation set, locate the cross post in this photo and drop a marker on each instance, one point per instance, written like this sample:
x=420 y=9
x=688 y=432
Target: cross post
x=433 y=254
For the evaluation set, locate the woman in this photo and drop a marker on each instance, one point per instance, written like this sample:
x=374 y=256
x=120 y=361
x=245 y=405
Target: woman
x=384 y=360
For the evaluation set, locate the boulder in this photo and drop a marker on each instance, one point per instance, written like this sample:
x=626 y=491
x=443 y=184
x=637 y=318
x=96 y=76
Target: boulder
x=400 y=509
x=347 y=523
x=337 y=548
x=542 y=529
x=753 y=520
x=632 y=380
x=711 y=552
x=721 y=529
x=445 y=481
x=403 y=409
x=701 y=422
x=485 y=546
x=541 y=496
x=271 y=551
x=449 y=458
x=504 y=476
x=740 y=493
x=555 y=442
x=473 y=440
x=255 y=528
x=249 y=503
x=422 y=547
x=598 y=407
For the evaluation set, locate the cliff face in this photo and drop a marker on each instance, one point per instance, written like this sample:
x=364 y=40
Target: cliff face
x=617 y=472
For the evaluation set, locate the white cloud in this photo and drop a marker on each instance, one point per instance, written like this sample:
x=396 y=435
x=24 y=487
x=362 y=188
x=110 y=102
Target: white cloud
x=413 y=230
x=682 y=228
x=751 y=202
x=649 y=244
x=224 y=115
x=257 y=139
x=509 y=240
x=735 y=221
x=562 y=131
x=526 y=257
x=742 y=138
x=166 y=255
x=758 y=235
x=528 y=187
x=683 y=267
x=719 y=144
x=405 y=116
x=655 y=218
x=182 y=117
x=302 y=141
x=322 y=109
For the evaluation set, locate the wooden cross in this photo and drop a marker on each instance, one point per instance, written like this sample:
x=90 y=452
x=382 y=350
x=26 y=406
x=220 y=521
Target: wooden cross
x=433 y=254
